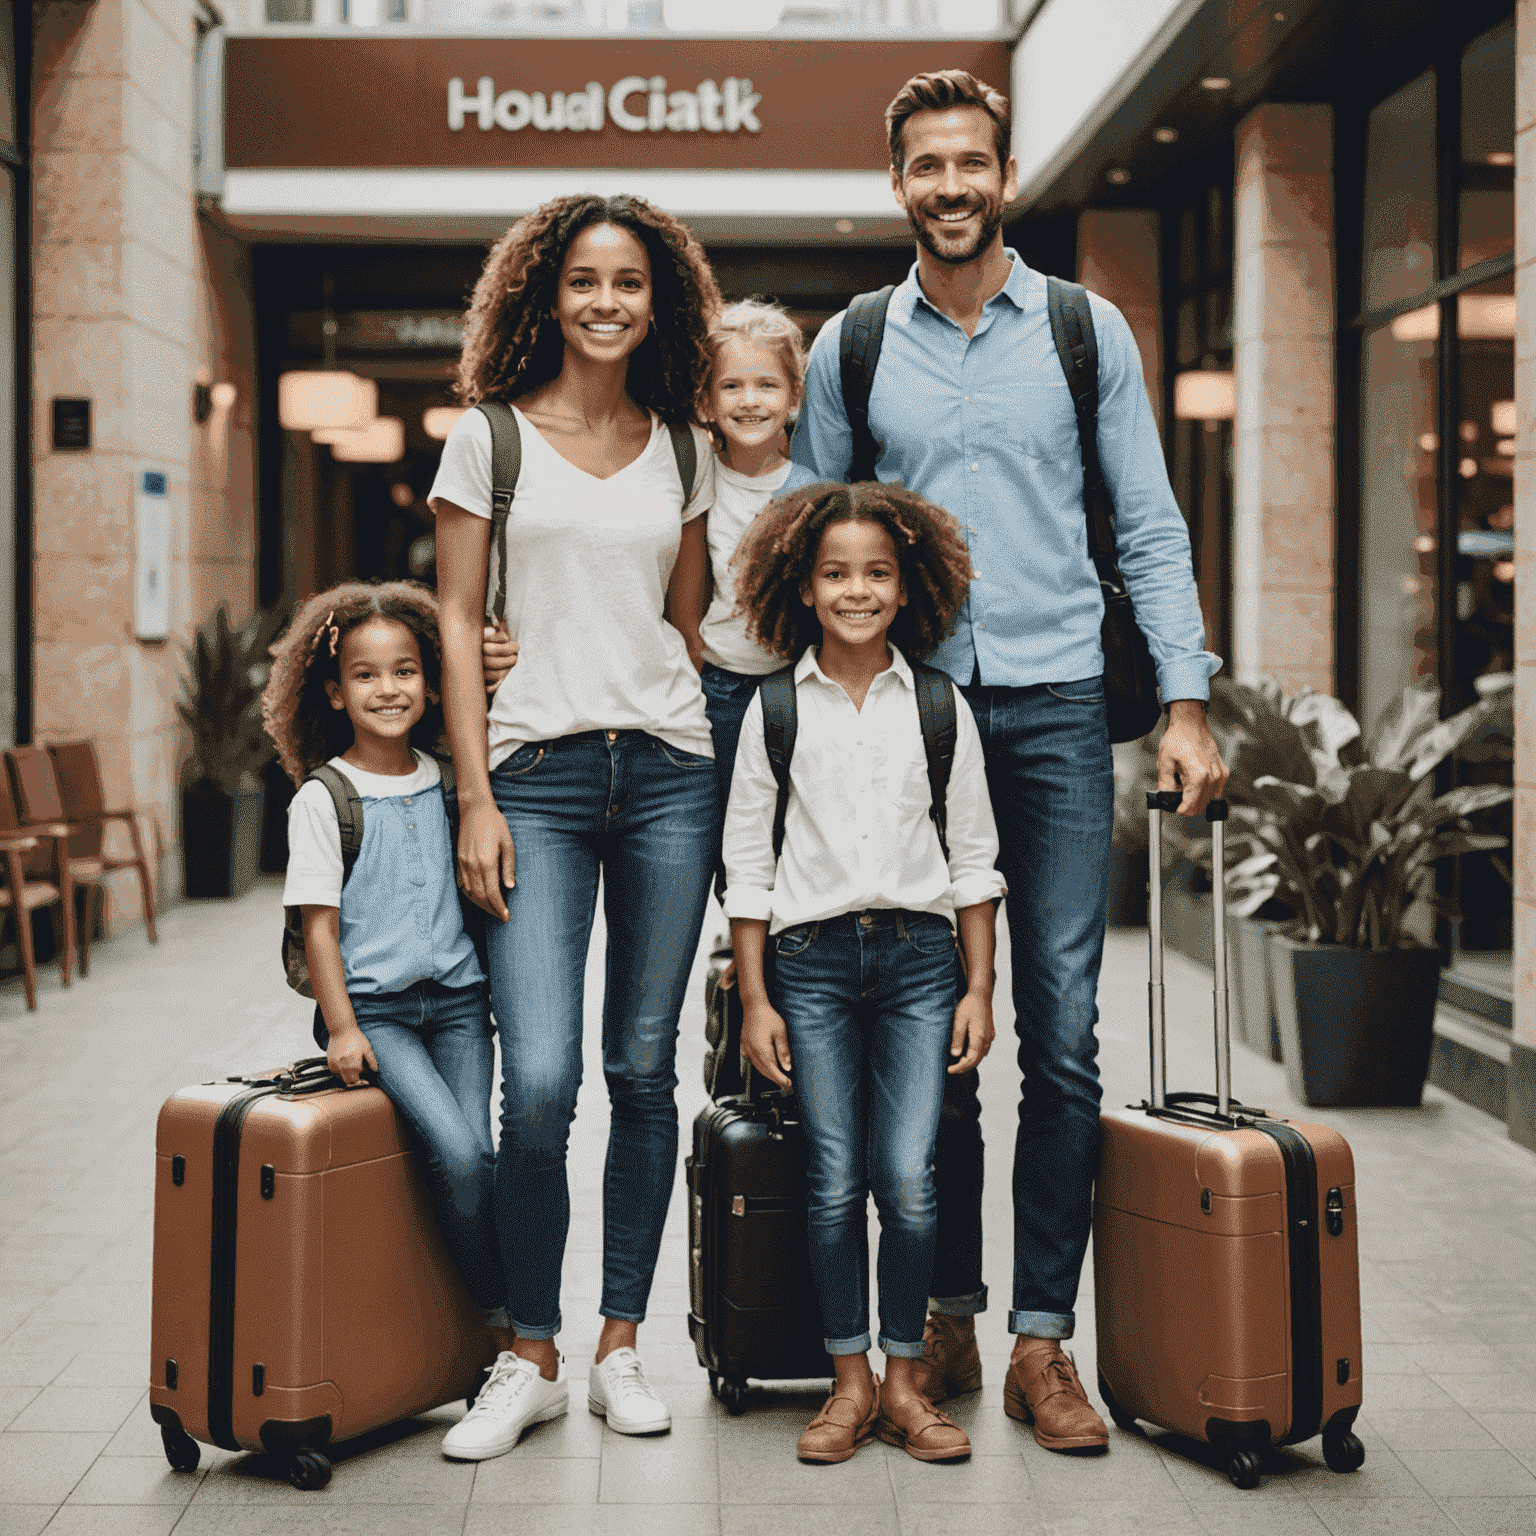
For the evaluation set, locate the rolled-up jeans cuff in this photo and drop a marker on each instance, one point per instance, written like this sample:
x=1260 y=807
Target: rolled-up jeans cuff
x=856 y=1346
x=959 y=1306
x=620 y=1317
x=896 y=1351
x=497 y=1317
x=1043 y=1325
x=536 y=1333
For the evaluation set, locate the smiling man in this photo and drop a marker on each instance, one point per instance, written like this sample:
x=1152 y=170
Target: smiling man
x=970 y=408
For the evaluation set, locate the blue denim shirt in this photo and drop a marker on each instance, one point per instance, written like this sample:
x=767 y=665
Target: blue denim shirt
x=984 y=426
x=400 y=916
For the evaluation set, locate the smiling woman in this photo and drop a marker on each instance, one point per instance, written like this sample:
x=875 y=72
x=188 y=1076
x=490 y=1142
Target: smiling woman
x=585 y=339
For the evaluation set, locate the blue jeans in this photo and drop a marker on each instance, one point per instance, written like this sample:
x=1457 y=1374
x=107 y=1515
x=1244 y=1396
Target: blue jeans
x=645 y=815
x=869 y=1002
x=726 y=697
x=433 y=1045
x=1051 y=778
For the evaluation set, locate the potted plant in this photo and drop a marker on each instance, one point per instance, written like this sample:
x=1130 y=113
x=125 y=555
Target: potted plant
x=1347 y=832
x=221 y=795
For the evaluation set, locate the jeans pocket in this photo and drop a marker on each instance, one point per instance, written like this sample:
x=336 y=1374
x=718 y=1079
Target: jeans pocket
x=930 y=936
x=1089 y=690
x=691 y=762
x=524 y=760
x=795 y=941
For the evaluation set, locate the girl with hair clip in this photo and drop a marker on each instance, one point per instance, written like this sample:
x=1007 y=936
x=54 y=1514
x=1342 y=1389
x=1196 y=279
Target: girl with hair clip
x=356 y=684
x=854 y=583
x=594 y=756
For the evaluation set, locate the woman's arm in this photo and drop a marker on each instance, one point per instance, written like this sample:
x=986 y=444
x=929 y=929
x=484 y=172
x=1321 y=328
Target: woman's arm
x=485 y=853
x=685 y=592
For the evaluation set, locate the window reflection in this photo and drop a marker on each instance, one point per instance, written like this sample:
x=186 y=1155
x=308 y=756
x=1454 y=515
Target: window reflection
x=1487 y=220
x=1400 y=220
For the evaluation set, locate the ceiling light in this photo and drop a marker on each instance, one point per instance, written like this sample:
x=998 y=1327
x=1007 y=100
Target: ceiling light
x=844 y=226
x=1502 y=418
x=438 y=420
x=1165 y=135
x=1506 y=446
x=1205 y=394
x=1424 y=544
x=382 y=441
x=1500 y=157
x=1119 y=176
x=1215 y=83
x=325 y=399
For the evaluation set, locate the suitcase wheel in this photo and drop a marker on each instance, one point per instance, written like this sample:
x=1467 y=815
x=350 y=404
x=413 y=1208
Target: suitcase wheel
x=1244 y=1467
x=1343 y=1453
x=181 y=1450
x=1122 y=1419
x=309 y=1469
x=732 y=1393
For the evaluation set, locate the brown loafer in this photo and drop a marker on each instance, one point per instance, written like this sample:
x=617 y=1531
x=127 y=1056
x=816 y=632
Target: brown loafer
x=1042 y=1388
x=951 y=1359
x=924 y=1432
x=839 y=1429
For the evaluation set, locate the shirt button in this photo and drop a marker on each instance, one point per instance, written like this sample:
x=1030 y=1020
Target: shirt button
x=409 y=801
x=981 y=626
x=974 y=466
x=410 y=826
x=613 y=735
x=967 y=399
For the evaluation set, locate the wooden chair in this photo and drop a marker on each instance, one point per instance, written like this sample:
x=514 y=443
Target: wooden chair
x=25 y=890
x=78 y=774
x=40 y=809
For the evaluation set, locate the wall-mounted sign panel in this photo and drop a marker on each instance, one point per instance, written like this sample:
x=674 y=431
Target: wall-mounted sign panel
x=639 y=103
x=152 y=530
x=71 y=425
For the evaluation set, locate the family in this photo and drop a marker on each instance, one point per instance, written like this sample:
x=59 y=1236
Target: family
x=654 y=572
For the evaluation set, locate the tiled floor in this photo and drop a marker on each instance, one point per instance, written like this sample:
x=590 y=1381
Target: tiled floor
x=1448 y=1219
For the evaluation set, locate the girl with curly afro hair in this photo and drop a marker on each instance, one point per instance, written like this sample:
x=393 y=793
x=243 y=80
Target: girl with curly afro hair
x=861 y=874
x=353 y=705
x=593 y=765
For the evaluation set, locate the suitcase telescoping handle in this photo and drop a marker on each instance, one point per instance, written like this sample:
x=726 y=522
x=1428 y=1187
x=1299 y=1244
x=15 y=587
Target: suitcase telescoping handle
x=1160 y=802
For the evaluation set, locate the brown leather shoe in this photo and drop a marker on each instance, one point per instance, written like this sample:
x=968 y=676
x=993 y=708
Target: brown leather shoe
x=951 y=1360
x=922 y=1431
x=839 y=1429
x=1042 y=1388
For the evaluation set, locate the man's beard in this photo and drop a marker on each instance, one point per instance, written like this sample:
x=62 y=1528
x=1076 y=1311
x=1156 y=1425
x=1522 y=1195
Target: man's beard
x=958 y=255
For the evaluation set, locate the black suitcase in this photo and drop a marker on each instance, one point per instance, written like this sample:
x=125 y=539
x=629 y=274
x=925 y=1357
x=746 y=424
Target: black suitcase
x=752 y=1303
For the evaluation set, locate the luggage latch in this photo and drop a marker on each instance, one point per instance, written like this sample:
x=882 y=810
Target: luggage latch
x=738 y=1205
x=1334 y=1214
x=1205 y=1201
x=1342 y=1372
x=178 y=1169
x=268 y=1181
x=258 y=1380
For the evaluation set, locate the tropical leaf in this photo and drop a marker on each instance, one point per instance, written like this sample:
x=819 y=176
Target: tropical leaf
x=1390 y=741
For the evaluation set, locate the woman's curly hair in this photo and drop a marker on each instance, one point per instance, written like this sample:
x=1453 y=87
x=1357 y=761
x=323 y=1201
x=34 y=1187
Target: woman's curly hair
x=776 y=559
x=512 y=340
x=295 y=708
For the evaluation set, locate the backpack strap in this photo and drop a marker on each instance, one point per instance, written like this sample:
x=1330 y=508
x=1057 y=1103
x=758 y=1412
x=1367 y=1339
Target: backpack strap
x=858 y=353
x=780 y=722
x=686 y=451
x=936 y=717
x=349 y=814
x=1077 y=349
x=506 y=464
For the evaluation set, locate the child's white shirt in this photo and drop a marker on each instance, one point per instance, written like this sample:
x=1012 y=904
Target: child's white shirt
x=314 y=835
x=738 y=500
x=857 y=831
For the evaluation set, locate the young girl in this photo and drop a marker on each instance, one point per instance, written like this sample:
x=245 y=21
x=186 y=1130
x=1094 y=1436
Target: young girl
x=356 y=684
x=852 y=581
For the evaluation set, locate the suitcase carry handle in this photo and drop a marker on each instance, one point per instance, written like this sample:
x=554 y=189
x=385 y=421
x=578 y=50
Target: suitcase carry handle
x=1159 y=803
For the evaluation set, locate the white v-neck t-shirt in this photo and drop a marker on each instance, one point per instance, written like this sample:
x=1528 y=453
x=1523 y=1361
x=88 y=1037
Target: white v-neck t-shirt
x=588 y=562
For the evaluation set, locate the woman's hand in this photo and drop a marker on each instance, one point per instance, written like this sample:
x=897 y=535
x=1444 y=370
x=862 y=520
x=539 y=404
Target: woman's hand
x=348 y=1053
x=973 y=1033
x=486 y=858
x=498 y=654
x=765 y=1042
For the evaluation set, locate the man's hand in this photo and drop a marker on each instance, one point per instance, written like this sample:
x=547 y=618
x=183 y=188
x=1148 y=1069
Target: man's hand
x=347 y=1053
x=765 y=1042
x=498 y=654
x=1188 y=758
x=973 y=1033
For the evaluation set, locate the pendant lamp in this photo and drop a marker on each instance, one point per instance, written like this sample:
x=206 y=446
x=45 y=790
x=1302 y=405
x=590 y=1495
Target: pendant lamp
x=382 y=441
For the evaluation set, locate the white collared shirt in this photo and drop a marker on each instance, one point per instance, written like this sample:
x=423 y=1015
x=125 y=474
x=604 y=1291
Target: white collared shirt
x=857 y=832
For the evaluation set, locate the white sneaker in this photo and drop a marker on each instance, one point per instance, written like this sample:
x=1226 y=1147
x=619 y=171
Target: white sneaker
x=617 y=1389
x=513 y=1397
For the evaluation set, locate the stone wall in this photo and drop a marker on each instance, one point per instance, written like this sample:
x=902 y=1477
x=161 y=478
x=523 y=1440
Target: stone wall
x=136 y=300
x=1118 y=256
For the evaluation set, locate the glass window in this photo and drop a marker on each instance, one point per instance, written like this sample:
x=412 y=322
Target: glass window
x=1487 y=224
x=1400 y=219
x=290 y=12
x=1399 y=449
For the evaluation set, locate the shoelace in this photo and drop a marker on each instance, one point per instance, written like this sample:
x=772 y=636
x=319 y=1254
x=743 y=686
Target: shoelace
x=1064 y=1372
x=504 y=1382
x=632 y=1376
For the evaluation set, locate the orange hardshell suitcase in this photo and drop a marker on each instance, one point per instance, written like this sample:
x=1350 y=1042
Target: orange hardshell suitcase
x=302 y=1291
x=1225 y=1252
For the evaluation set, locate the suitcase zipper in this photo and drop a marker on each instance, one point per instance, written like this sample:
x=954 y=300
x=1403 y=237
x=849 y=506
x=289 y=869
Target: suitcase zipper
x=1305 y=1278
x=221 y=1280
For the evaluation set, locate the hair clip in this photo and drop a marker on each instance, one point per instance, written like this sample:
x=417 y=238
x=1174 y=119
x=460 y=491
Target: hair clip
x=325 y=624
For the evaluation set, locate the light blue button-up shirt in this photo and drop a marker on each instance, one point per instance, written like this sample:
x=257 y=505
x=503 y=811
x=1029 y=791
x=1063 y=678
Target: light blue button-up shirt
x=983 y=425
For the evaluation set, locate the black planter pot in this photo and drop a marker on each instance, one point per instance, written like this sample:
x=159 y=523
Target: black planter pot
x=279 y=792
x=220 y=838
x=1253 y=995
x=1127 y=888
x=1356 y=1025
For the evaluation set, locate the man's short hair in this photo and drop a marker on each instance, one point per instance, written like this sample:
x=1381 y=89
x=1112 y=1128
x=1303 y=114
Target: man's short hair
x=939 y=90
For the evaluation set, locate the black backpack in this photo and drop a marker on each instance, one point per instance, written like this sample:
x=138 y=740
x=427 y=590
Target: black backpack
x=507 y=462
x=349 y=822
x=935 y=715
x=1130 y=678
